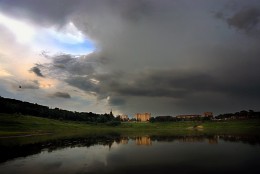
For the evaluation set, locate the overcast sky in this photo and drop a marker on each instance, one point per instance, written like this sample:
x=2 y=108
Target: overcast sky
x=166 y=57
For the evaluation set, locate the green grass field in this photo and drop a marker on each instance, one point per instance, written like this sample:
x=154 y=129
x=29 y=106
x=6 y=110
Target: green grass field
x=19 y=125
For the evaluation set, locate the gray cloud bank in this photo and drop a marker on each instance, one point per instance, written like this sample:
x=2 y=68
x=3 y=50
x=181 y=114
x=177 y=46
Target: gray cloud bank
x=247 y=19
x=37 y=71
x=165 y=57
x=60 y=95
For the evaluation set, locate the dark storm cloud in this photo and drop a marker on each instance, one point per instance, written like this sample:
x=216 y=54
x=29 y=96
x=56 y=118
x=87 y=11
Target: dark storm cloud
x=219 y=15
x=136 y=9
x=180 y=84
x=116 y=101
x=61 y=95
x=63 y=66
x=36 y=71
x=242 y=15
x=58 y=12
x=74 y=65
x=77 y=71
x=83 y=83
x=175 y=84
x=246 y=19
x=159 y=55
x=47 y=12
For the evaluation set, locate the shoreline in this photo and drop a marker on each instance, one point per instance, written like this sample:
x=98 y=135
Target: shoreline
x=24 y=135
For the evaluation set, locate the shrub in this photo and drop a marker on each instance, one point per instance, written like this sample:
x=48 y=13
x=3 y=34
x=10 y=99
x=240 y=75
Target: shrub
x=113 y=123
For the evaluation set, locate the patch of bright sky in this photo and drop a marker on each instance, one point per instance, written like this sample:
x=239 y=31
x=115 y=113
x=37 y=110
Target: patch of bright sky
x=4 y=73
x=23 y=32
x=66 y=40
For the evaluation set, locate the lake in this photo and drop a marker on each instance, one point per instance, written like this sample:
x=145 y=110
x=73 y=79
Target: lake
x=135 y=154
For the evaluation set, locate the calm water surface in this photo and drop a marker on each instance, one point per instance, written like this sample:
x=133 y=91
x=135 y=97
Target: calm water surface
x=146 y=154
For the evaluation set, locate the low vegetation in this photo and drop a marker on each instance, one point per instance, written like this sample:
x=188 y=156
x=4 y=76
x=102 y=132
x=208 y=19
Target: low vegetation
x=15 y=124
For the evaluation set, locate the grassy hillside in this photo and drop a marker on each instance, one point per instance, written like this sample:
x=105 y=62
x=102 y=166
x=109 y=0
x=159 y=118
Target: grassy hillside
x=20 y=129
x=11 y=124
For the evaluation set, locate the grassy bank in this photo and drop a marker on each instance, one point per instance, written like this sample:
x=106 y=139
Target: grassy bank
x=17 y=125
x=43 y=128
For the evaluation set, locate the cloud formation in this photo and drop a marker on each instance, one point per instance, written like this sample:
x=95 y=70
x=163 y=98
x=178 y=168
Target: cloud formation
x=61 y=95
x=167 y=57
x=36 y=71
x=247 y=20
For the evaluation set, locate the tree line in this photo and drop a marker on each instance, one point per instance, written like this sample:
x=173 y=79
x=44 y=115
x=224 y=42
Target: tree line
x=174 y=119
x=13 y=106
x=250 y=114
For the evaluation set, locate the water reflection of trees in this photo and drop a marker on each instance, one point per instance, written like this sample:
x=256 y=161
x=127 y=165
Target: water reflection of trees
x=247 y=139
x=188 y=139
x=9 y=152
x=211 y=139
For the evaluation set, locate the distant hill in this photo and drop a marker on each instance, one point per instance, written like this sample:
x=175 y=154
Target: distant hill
x=12 y=106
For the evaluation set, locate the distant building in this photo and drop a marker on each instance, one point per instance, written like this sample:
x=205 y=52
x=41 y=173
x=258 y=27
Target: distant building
x=188 y=116
x=143 y=116
x=124 y=117
x=207 y=115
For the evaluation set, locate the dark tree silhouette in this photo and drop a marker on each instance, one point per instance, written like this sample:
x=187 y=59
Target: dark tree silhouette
x=13 y=106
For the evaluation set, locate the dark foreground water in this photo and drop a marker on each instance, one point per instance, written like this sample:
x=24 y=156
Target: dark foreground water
x=145 y=154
